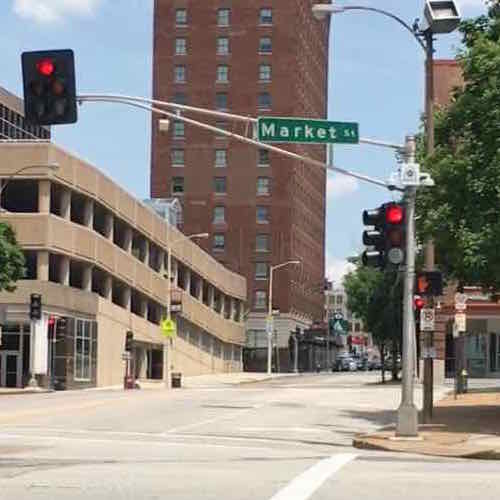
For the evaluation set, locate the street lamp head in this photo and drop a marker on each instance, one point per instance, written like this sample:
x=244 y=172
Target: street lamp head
x=200 y=235
x=163 y=125
x=441 y=16
x=322 y=10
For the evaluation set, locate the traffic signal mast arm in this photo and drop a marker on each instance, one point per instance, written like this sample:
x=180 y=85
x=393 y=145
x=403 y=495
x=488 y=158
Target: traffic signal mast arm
x=145 y=104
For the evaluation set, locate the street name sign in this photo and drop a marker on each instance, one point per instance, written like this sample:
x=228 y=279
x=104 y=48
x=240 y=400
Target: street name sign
x=427 y=320
x=306 y=131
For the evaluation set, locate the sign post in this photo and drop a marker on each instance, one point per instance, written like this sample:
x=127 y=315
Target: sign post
x=306 y=131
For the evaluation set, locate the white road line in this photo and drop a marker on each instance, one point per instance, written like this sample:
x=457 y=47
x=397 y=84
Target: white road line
x=283 y=429
x=183 y=428
x=303 y=486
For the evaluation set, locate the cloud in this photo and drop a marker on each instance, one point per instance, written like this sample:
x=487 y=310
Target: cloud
x=338 y=186
x=337 y=268
x=53 y=11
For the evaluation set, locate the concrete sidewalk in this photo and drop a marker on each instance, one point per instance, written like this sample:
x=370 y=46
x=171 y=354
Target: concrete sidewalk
x=466 y=427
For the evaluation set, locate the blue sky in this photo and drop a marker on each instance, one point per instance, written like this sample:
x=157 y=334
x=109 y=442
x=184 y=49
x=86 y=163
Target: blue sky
x=376 y=79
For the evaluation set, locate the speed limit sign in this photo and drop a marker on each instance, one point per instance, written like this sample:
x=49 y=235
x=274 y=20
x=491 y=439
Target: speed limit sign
x=427 y=320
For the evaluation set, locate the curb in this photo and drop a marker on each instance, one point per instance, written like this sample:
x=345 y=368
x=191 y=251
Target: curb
x=477 y=454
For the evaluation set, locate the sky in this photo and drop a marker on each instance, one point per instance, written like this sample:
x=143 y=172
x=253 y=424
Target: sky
x=376 y=74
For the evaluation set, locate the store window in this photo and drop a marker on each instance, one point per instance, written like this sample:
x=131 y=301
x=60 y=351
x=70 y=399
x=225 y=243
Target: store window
x=83 y=346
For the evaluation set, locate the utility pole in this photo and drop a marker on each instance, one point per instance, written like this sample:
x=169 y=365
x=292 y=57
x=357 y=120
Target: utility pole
x=296 y=353
x=407 y=424
x=428 y=340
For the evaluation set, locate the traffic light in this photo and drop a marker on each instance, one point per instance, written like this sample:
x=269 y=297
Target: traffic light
x=419 y=303
x=49 y=87
x=429 y=284
x=128 y=341
x=387 y=238
x=35 y=306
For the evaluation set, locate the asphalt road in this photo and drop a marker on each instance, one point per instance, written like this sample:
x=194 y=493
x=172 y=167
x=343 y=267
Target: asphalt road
x=287 y=439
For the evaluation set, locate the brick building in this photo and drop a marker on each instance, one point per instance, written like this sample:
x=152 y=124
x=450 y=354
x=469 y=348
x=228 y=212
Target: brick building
x=251 y=58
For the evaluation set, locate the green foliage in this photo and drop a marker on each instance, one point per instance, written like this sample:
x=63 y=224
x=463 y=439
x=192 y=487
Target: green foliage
x=462 y=212
x=11 y=259
x=376 y=298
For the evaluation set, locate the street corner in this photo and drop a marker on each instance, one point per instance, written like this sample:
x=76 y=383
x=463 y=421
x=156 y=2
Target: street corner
x=433 y=440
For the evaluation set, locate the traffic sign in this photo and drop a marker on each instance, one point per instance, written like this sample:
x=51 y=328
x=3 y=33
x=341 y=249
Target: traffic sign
x=427 y=320
x=460 y=322
x=460 y=301
x=306 y=131
x=269 y=325
x=168 y=328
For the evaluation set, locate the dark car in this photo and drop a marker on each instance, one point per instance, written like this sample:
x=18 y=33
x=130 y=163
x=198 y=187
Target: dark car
x=374 y=364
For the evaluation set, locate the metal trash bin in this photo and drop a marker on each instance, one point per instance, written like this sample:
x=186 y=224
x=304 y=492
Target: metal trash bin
x=176 y=379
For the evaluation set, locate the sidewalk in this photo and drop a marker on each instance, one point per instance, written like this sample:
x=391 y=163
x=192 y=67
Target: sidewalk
x=468 y=427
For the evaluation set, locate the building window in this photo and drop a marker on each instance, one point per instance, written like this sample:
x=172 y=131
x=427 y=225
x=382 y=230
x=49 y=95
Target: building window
x=221 y=158
x=179 y=130
x=220 y=185
x=263 y=186
x=266 y=16
x=180 y=47
x=219 y=242
x=221 y=125
x=262 y=243
x=263 y=157
x=180 y=74
x=223 y=17
x=221 y=101
x=83 y=347
x=222 y=46
x=265 y=45
x=265 y=72
x=263 y=215
x=357 y=327
x=178 y=157
x=260 y=299
x=261 y=270
x=177 y=185
x=180 y=98
x=339 y=299
x=264 y=100
x=181 y=17
x=219 y=215
x=222 y=73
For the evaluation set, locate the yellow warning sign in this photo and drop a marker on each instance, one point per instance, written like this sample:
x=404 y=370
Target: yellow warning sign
x=168 y=328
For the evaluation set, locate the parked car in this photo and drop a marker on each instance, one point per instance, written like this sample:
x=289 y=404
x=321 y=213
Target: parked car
x=374 y=364
x=344 y=363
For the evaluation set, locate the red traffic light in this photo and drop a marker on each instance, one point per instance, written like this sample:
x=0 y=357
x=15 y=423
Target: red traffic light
x=419 y=302
x=45 y=67
x=394 y=214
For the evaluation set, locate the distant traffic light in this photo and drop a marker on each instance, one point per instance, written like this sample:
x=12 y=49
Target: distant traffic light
x=387 y=238
x=419 y=303
x=35 y=306
x=129 y=338
x=429 y=284
x=49 y=87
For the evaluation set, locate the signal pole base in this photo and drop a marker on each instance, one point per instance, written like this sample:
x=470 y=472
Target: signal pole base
x=407 y=425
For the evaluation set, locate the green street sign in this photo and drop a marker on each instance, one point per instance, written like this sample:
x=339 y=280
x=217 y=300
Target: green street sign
x=306 y=131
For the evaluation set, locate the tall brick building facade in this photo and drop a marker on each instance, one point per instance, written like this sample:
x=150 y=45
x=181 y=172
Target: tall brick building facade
x=252 y=57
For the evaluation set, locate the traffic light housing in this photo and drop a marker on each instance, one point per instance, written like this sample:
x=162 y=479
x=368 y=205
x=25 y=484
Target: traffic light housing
x=387 y=238
x=49 y=87
x=129 y=338
x=35 y=306
x=429 y=284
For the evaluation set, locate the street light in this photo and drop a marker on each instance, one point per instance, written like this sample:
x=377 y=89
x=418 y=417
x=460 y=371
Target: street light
x=166 y=377
x=51 y=166
x=269 y=321
x=440 y=17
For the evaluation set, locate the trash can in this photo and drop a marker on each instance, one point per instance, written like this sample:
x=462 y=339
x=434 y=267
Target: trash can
x=465 y=381
x=128 y=382
x=176 y=380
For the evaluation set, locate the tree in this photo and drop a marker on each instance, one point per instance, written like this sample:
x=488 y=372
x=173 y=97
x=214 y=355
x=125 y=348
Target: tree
x=376 y=298
x=462 y=213
x=11 y=259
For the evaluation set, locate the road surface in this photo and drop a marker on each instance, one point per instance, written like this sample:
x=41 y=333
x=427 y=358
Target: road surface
x=288 y=438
